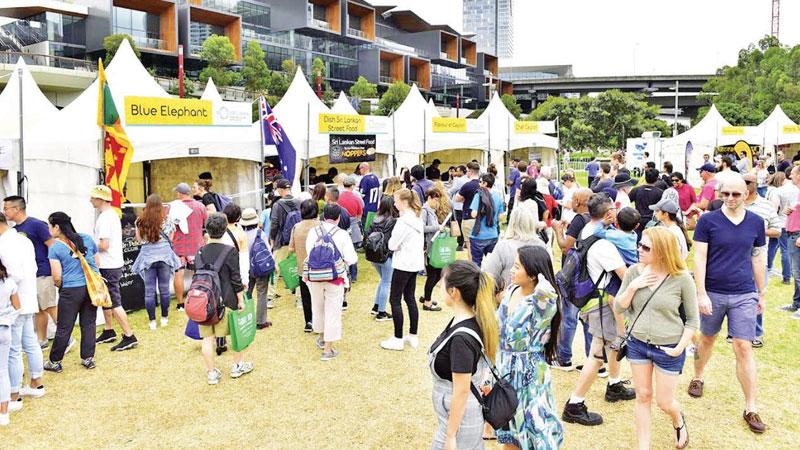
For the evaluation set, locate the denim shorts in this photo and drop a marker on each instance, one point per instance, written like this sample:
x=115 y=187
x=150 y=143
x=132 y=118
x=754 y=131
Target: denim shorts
x=740 y=309
x=643 y=353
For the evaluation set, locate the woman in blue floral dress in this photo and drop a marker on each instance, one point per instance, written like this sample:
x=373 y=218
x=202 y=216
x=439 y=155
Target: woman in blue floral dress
x=529 y=318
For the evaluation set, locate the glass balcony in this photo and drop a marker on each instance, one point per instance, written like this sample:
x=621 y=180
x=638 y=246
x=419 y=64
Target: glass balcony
x=48 y=60
x=220 y=5
x=386 y=80
x=320 y=24
x=391 y=45
x=356 y=33
x=151 y=41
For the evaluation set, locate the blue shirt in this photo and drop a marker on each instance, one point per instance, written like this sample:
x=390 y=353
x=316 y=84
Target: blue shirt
x=592 y=168
x=38 y=232
x=71 y=271
x=729 y=269
x=486 y=231
x=624 y=241
x=370 y=188
x=468 y=192
x=514 y=179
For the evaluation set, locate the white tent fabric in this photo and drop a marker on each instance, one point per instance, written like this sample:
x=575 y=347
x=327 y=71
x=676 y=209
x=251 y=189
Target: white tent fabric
x=705 y=136
x=210 y=92
x=342 y=105
x=410 y=129
x=773 y=129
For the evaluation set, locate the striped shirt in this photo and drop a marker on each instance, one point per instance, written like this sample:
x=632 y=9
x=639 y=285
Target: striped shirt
x=766 y=210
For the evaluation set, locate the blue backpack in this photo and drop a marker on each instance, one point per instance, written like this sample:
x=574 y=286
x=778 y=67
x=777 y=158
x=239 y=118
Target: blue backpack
x=261 y=261
x=556 y=191
x=292 y=218
x=573 y=280
x=325 y=262
x=221 y=201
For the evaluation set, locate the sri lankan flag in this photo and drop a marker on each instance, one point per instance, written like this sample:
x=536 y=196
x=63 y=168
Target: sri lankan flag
x=117 y=149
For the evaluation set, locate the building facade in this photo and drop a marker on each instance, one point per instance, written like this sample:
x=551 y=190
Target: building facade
x=492 y=21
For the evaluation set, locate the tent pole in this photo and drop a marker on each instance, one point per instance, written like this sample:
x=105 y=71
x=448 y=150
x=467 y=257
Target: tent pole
x=308 y=145
x=489 y=147
x=21 y=173
x=425 y=132
x=558 y=151
x=261 y=162
x=394 y=146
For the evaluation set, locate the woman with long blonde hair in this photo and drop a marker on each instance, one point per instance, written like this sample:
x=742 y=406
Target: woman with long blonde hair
x=658 y=297
x=408 y=246
x=393 y=184
x=529 y=318
x=456 y=356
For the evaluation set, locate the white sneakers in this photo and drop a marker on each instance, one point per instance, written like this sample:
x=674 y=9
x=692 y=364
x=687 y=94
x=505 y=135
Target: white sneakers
x=164 y=321
x=240 y=369
x=396 y=344
x=4 y=420
x=214 y=376
x=14 y=406
x=153 y=325
x=28 y=391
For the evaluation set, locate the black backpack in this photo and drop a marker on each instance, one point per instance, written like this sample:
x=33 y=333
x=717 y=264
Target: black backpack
x=574 y=282
x=376 y=245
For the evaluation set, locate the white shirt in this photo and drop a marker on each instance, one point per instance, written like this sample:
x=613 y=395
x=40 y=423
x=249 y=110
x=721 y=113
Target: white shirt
x=676 y=230
x=408 y=243
x=602 y=257
x=8 y=315
x=19 y=258
x=342 y=241
x=622 y=199
x=109 y=227
x=244 y=249
x=567 y=213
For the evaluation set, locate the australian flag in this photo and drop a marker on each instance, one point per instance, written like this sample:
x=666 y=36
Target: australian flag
x=274 y=134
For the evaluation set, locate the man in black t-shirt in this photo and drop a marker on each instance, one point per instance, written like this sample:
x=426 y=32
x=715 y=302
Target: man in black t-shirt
x=645 y=195
x=432 y=172
x=465 y=195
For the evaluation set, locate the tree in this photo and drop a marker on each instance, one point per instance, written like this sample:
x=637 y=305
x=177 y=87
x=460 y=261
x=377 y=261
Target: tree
x=766 y=74
x=605 y=121
x=393 y=97
x=289 y=67
x=363 y=89
x=254 y=69
x=511 y=104
x=111 y=45
x=218 y=52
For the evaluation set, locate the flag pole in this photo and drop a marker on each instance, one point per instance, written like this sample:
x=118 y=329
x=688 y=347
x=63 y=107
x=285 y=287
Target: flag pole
x=102 y=172
x=21 y=173
x=261 y=162
x=394 y=145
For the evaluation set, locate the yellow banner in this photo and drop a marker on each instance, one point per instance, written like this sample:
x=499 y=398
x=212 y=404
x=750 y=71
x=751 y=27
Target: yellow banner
x=526 y=127
x=732 y=131
x=448 y=125
x=167 y=111
x=341 y=123
x=791 y=129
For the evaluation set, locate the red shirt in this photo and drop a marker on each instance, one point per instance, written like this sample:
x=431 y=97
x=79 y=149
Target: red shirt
x=352 y=203
x=686 y=196
x=187 y=244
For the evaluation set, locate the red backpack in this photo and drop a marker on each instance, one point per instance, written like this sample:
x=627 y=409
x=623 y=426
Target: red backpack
x=204 y=298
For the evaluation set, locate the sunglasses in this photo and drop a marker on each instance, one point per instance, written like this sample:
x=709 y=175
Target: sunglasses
x=675 y=180
x=644 y=248
x=730 y=194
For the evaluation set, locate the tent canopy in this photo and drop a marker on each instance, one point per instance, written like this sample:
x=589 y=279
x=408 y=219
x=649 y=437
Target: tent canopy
x=342 y=105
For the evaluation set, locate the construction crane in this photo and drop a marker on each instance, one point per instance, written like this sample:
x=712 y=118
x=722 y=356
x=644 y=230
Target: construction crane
x=776 y=18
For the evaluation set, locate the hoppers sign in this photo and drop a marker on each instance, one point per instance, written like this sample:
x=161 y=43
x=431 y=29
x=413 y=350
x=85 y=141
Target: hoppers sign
x=182 y=112
x=352 y=148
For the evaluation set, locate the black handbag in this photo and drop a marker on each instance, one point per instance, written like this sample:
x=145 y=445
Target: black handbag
x=500 y=405
x=622 y=351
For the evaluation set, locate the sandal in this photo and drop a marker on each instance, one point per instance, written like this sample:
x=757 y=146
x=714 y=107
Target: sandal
x=433 y=307
x=678 y=434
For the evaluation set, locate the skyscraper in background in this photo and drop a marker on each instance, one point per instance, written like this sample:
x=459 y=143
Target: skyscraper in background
x=493 y=23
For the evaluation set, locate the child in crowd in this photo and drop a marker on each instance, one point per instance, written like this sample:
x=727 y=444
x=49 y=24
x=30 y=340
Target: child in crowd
x=9 y=304
x=623 y=238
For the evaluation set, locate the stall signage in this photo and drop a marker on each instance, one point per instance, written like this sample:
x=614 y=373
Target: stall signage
x=341 y=123
x=732 y=131
x=791 y=129
x=167 y=111
x=534 y=127
x=349 y=148
x=448 y=125
x=232 y=114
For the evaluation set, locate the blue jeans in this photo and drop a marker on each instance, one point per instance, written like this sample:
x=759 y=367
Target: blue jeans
x=353 y=272
x=762 y=191
x=157 y=275
x=382 y=291
x=478 y=248
x=786 y=262
x=794 y=255
x=24 y=340
x=566 y=332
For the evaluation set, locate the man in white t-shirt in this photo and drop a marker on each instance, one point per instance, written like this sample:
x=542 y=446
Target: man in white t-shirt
x=109 y=259
x=606 y=268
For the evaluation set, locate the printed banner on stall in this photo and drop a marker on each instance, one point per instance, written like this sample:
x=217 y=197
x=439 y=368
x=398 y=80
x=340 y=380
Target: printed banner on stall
x=791 y=129
x=186 y=112
x=532 y=127
x=732 y=131
x=7 y=151
x=456 y=125
x=352 y=124
x=348 y=148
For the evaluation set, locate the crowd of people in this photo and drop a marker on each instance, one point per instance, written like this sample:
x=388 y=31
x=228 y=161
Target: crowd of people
x=512 y=311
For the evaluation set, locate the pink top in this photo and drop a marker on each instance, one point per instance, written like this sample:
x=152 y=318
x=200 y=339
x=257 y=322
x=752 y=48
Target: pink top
x=709 y=191
x=793 y=219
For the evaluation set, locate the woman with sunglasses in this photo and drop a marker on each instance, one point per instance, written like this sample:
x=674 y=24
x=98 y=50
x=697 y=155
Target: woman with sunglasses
x=686 y=195
x=659 y=301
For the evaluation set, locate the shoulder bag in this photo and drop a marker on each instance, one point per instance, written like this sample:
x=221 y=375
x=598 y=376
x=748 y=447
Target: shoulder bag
x=622 y=351
x=98 y=291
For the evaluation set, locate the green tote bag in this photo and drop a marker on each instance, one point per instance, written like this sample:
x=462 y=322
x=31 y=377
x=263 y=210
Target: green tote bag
x=242 y=325
x=288 y=268
x=443 y=251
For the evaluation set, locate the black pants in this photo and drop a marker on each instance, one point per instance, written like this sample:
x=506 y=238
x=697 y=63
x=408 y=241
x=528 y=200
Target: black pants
x=510 y=208
x=404 y=284
x=589 y=181
x=305 y=297
x=434 y=275
x=459 y=218
x=71 y=302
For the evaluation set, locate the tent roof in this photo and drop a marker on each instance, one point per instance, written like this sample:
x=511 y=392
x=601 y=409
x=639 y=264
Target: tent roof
x=342 y=105
x=36 y=107
x=210 y=92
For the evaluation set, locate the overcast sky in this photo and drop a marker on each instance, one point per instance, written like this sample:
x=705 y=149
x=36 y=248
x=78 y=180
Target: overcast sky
x=625 y=37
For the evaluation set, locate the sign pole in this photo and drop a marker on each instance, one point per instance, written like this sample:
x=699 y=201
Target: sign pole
x=394 y=146
x=308 y=145
x=180 y=72
x=261 y=162
x=21 y=173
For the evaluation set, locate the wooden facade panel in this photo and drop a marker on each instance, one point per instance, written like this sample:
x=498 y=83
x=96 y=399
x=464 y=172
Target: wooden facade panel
x=234 y=32
x=169 y=29
x=333 y=15
x=450 y=46
x=469 y=51
x=423 y=73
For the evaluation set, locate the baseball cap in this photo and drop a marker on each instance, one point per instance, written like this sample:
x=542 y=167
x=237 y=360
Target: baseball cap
x=183 y=188
x=102 y=192
x=283 y=183
x=707 y=167
x=349 y=181
x=749 y=177
x=667 y=205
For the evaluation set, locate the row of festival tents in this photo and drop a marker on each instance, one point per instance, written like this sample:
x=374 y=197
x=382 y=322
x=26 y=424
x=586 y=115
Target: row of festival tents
x=62 y=151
